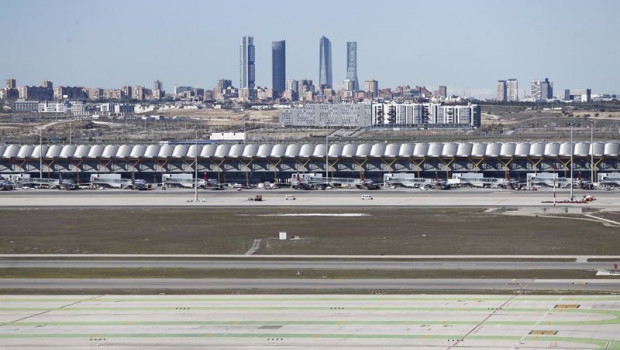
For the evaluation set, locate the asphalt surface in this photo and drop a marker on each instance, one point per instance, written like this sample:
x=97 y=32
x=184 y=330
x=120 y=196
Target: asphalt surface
x=605 y=200
x=306 y=264
x=313 y=285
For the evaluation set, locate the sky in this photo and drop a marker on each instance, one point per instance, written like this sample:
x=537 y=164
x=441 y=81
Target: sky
x=466 y=45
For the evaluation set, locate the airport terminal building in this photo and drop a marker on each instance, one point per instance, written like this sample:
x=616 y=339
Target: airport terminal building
x=276 y=162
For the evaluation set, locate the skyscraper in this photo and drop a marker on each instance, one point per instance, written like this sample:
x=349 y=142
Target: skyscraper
x=352 y=64
x=325 y=65
x=247 y=63
x=278 y=66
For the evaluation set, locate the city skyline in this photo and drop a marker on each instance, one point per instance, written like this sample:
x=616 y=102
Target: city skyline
x=477 y=43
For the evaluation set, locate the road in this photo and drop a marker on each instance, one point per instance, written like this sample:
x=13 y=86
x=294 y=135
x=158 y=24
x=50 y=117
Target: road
x=306 y=264
x=410 y=198
x=312 y=285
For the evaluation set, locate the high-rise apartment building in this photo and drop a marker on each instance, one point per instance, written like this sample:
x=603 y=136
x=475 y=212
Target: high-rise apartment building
x=512 y=90
x=542 y=90
x=46 y=84
x=11 y=84
x=247 y=63
x=292 y=90
x=158 y=90
x=352 y=64
x=278 y=67
x=222 y=85
x=501 y=91
x=443 y=91
x=127 y=92
x=325 y=64
x=372 y=87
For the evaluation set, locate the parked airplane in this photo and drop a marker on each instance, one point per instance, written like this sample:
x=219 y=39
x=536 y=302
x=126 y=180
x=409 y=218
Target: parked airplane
x=439 y=184
x=138 y=184
x=366 y=184
x=302 y=184
x=65 y=184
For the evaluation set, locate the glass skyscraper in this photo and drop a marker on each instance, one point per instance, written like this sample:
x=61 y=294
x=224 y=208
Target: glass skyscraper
x=248 y=67
x=352 y=64
x=325 y=64
x=278 y=66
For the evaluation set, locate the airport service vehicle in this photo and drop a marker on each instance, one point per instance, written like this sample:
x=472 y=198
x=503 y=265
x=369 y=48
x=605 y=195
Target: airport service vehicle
x=6 y=185
x=289 y=197
x=366 y=197
x=257 y=198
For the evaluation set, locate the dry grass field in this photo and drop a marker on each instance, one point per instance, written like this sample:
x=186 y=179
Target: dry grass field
x=232 y=231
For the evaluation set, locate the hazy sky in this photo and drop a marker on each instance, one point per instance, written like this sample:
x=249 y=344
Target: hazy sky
x=466 y=45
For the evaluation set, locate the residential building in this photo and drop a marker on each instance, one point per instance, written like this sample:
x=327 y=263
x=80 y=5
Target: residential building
x=74 y=108
x=25 y=106
x=278 y=67
x=180 y=90
x=126 y=93
x=512 y=90
x=442 y=91
x=69 y=92
x=502 y=95
x=158 y=90
x=47 y=84
x=11 y=84
x=542 y=90
x=425 y=115
x=35 y=93
x=327 y=115
x=325 y=64
x=222 y=85
x=348 y=85
x=352 y=64
x=372 y=87
x=52 y=107
x=292 y=90
x=94 y=94
x=139 y=93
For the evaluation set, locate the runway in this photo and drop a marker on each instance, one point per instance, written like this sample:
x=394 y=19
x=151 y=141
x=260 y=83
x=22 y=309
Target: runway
x=345 y=322
x=281 y=285
x=305 y=264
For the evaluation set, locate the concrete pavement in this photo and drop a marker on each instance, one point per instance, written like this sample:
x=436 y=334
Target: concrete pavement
x=306 y=264
x=313 y=284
